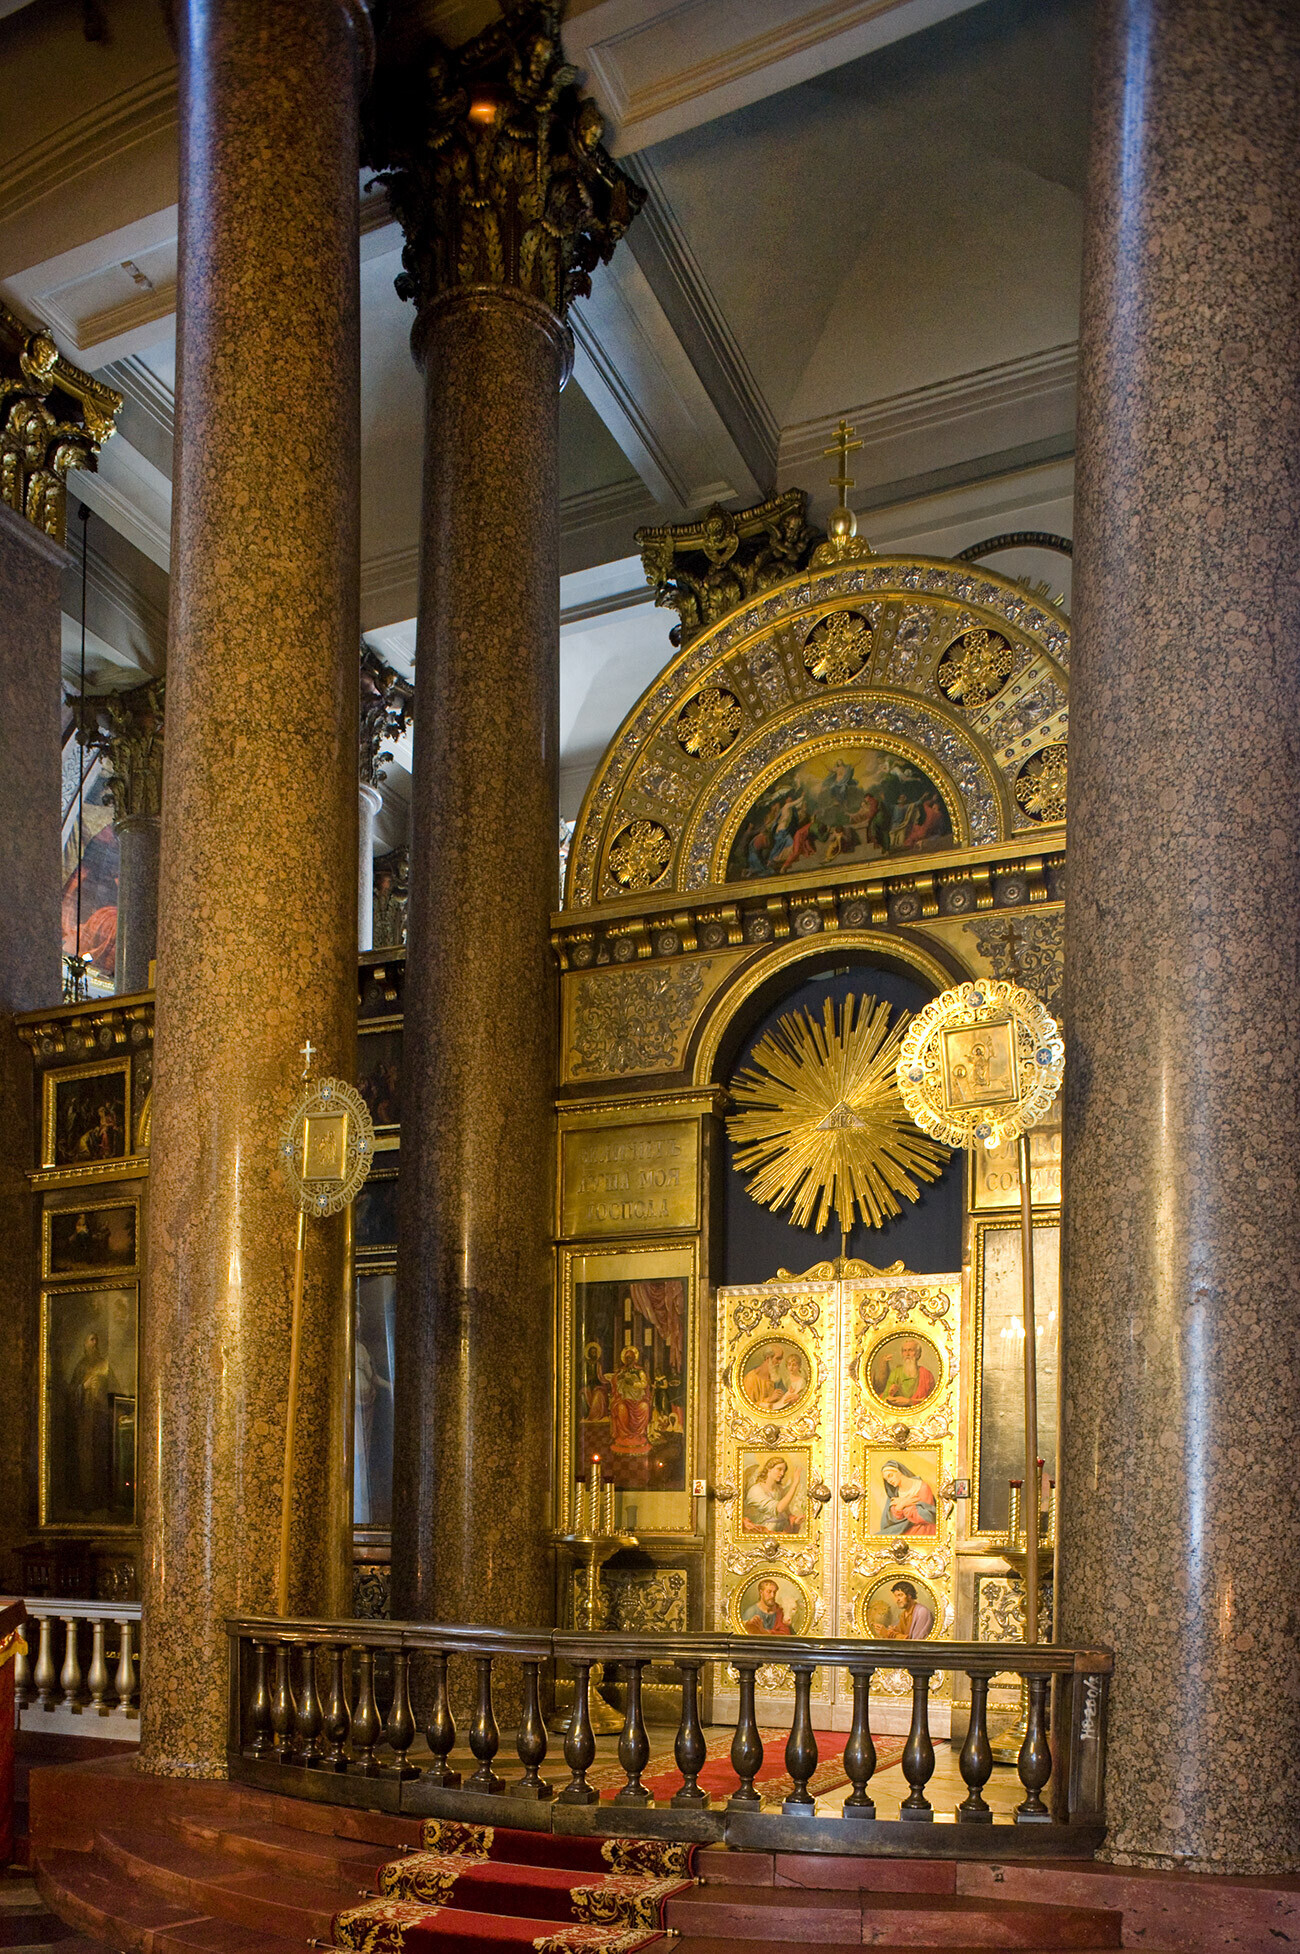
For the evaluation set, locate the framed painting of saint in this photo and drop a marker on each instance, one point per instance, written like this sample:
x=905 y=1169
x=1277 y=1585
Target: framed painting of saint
x=379 y=1074
x=99 y=1238
x=629 y=1322
x=87 y=1115
x=775 y=1378
x=88 y=1354
x=900 y=1607
x=904 y=1371
x=772 y=1602
x=374 y=1354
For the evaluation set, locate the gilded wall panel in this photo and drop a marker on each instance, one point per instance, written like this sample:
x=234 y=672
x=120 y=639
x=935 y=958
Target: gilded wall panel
x=622 y=1022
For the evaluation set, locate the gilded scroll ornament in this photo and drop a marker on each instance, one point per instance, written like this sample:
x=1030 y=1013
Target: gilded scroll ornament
x=55 y=417
x=975 y=667
x=1030 y=949
x=708 y=723
x=634 y=1020
x=1040 y=784
x=702 y=569
x=640 y=856
x=836 y=649
x=494 y=164
x=823 y=1126
x=980 y=1064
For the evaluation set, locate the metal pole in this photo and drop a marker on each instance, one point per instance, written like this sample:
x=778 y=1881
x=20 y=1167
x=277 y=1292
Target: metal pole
x=1033 y=1484
x=290 y=1422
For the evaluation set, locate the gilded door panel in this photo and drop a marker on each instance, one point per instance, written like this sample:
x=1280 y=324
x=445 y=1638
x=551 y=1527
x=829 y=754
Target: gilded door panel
x=775 y=1461
x=898 y=1433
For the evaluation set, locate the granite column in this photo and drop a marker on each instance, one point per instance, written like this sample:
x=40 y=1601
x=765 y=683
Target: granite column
x=1180 y=1502
x=495 y=169
x=257 y=948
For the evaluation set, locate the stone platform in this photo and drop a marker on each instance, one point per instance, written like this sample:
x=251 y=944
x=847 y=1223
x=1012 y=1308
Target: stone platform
x=166 y=1866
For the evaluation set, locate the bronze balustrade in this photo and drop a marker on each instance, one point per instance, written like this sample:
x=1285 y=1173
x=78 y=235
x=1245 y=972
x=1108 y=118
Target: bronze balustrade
x=305 y=1720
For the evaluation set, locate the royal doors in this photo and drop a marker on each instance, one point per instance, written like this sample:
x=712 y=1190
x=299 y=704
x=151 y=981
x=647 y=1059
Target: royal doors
x=835 y=1447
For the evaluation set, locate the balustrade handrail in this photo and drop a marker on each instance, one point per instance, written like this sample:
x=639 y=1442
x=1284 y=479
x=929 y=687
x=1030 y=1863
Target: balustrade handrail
x=566 y=1645
x=306 y=1718
x=40 y=1607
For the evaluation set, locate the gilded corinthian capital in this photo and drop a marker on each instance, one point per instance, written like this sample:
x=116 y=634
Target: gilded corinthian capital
x=53 y=417
x=493 y=162
x=127 y=729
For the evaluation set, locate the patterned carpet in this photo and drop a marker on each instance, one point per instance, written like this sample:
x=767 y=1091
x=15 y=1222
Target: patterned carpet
x=662 y=1778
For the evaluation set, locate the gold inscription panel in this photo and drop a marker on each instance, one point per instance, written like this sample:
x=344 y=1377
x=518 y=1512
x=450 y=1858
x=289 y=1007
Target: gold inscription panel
x=620 y=1180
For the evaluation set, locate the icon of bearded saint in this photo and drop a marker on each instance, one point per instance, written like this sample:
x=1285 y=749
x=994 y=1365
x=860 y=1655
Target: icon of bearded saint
x=901 y=1376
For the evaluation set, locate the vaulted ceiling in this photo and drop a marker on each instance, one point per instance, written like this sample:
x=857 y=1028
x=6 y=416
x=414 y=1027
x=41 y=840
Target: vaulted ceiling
x=871 y=210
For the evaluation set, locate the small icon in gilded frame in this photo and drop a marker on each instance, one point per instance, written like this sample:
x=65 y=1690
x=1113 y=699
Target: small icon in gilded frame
x=980 y=1066
x=774 y=1501
x=772 y=1602
x=775 y=1377
x=900 y=1608
x=904 y=1370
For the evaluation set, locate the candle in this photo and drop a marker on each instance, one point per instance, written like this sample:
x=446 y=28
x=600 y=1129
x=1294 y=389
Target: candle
x=577 y=1508
x=608 y=1526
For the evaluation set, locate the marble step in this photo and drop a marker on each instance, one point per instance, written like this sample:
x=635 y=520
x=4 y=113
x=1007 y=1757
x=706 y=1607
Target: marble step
x=280 y=1905
x=303 y=1854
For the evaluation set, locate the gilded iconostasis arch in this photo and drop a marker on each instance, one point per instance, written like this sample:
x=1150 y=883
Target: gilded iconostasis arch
x=872 y=708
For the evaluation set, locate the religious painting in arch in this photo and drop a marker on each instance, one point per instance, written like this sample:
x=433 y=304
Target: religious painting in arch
x=633 y=1341
x=851 y=803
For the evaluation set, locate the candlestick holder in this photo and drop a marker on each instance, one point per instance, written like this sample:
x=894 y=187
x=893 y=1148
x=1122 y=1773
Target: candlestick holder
x=592 y=1538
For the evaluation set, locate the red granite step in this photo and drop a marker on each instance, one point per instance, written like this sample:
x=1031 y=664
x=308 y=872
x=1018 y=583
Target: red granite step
x=799 y=1913
x=104 y=1906
x=280 y=1905
x=307 y=1855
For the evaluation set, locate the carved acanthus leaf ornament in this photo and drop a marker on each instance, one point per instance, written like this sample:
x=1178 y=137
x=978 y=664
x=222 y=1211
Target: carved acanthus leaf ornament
x=493 y=163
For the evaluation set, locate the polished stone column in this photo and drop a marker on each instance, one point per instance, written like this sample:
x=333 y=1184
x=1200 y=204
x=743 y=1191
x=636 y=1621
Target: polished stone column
x=495 y=169
x=369 y=802
x=127 y=729
x=256 y=947
x=60 y=416
x=1180 y=1501
x=31 y=564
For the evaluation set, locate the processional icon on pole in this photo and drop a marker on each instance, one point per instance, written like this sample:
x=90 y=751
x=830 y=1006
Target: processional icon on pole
x=327 y=1147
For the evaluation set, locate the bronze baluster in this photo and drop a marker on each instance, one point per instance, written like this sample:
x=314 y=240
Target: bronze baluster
x=746 y=1745
x=484 y=1736
x=441 y=1728
x=365 y=1717
x=1035 y=1760
x=399 y=1731
x=307 y=1718
x=633 y=1743
x=580 y=1742
x=336 y=1714
x=801 y=1744
x=282 y=1706
x=859 y=1751
x=531 y=1741
x=976 y=1756
x=918 y=1753
x=690 y=1749
x=259 y=1705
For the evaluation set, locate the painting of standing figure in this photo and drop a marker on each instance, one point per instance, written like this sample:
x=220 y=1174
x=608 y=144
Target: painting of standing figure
x=631 y=1402
x=88 y=1390
x=853 y=804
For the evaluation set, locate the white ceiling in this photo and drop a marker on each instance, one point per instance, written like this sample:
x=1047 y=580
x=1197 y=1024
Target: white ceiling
x=871 y=209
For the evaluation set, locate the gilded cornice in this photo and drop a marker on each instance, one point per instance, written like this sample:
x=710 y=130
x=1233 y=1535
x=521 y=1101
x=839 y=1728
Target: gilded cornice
x=126 y=728
x=55 y=417
x=493 y=163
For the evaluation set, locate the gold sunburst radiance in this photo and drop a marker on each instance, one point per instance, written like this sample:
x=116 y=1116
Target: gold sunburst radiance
x=823 y=1124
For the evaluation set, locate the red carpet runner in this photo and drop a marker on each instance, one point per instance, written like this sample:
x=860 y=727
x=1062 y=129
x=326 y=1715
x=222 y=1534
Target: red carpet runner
x=475 y=1887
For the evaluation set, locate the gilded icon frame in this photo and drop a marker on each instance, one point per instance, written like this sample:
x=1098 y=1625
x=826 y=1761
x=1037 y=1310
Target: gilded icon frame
x=66 y=1075
x=91 y=1271
x=776 y=1571
x=765 y=1414
x=634 y=1260
x=799 y=1535
x=1045 y=1220
x=894 y=1333
x=885 y=1582
x=53 y=1298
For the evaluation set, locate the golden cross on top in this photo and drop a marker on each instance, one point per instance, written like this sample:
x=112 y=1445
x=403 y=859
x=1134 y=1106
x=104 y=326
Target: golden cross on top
x=843 y=447
x=307 y=1052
